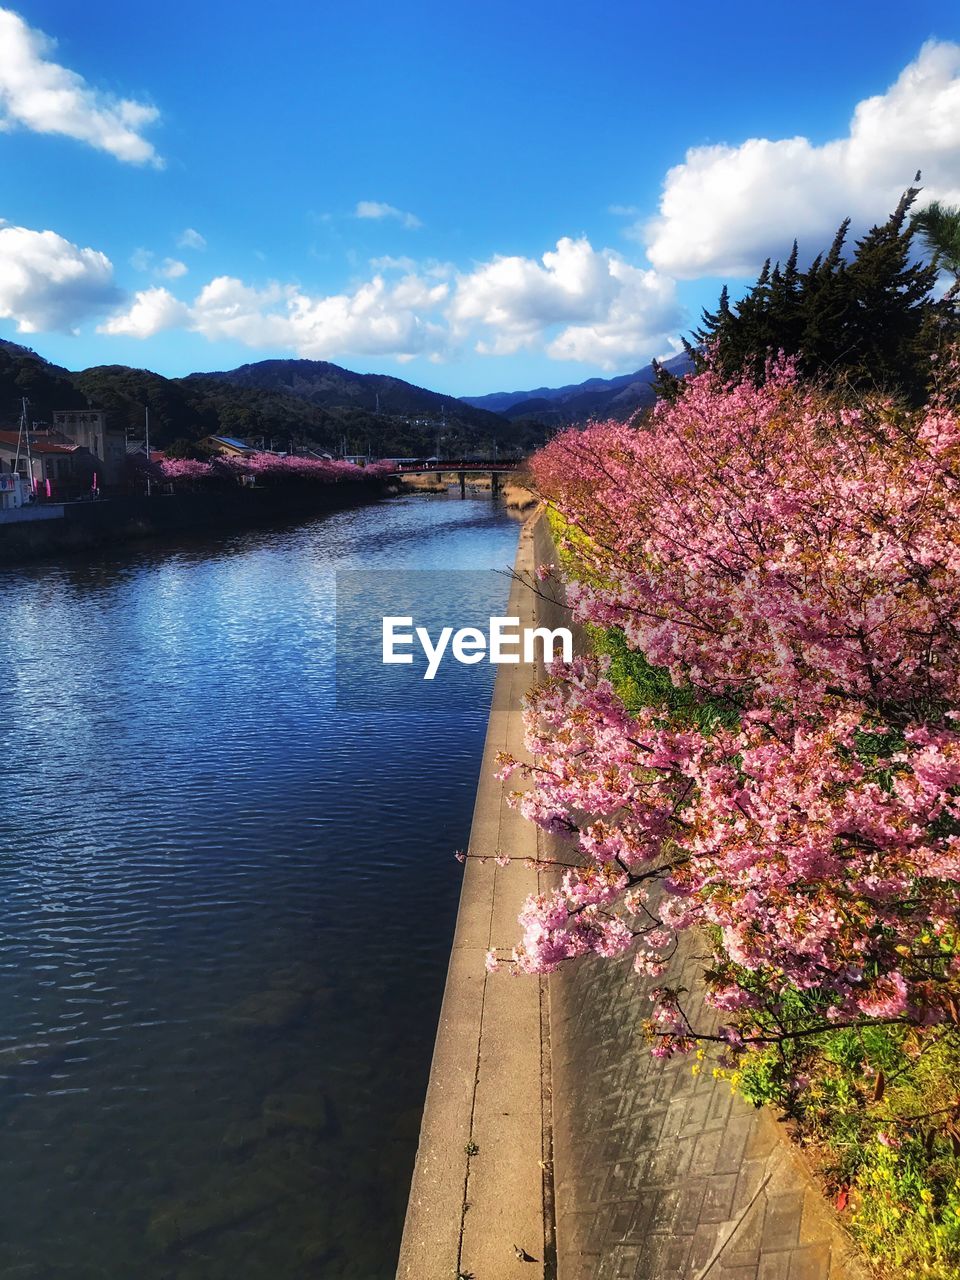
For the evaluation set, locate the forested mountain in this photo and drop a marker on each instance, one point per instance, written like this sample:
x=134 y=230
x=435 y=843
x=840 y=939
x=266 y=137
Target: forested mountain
x=278 y=402
x=330 y=386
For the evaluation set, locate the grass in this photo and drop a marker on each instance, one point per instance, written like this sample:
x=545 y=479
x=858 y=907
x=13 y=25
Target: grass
x=877 y=1121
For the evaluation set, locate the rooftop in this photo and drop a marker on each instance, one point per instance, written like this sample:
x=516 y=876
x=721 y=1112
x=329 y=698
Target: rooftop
x=10 y=439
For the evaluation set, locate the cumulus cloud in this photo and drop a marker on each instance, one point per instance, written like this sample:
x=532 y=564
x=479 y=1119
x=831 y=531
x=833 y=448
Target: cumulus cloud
x=191 y=239
x=48 y=283
x=377 y=318
x=376 y=209
x=576 y=303
x=152 y=310
x=725 y=208
x=607 y=310
x=39 y=94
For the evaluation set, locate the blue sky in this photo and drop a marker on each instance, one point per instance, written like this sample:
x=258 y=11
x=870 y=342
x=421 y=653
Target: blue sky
x=475 y=198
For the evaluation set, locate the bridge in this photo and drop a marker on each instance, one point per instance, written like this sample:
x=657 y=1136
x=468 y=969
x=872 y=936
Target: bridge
x=495 y=468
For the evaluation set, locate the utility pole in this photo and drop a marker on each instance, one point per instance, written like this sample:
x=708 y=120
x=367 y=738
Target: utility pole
x=23 y=419
x=24 y=435
x=146 y=435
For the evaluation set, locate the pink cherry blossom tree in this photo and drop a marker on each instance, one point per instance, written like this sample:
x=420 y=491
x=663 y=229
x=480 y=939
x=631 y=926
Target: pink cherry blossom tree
x=792 y=563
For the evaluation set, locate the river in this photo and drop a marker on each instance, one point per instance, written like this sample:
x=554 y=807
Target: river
x=227 y=901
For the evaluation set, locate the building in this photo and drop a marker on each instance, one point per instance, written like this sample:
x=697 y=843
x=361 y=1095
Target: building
x=226 y=444
x=69 y=469
x=13 y=491
x=90 y=429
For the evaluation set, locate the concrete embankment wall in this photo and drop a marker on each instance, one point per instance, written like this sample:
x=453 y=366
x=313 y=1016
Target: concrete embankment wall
x=129 y=517
x=480 y=1186
x=549 y=1127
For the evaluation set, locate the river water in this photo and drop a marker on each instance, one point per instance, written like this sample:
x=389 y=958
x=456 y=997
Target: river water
x=226 y=903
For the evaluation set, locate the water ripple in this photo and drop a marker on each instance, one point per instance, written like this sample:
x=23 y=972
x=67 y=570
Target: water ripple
x=225 y=905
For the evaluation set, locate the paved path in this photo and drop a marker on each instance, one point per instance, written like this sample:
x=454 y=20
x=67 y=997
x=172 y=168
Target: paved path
x=663 y=1174
x=599 y=1161
x=468 y=1213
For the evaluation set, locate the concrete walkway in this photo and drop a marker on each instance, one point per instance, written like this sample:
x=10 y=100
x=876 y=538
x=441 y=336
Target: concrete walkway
x=646 y=1170
x=469 y=1213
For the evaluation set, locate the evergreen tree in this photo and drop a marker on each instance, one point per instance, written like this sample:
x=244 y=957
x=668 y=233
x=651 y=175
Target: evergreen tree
x=866 y=320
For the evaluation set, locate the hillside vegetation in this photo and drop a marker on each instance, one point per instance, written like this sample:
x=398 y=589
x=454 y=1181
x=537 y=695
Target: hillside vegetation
x=278 y=402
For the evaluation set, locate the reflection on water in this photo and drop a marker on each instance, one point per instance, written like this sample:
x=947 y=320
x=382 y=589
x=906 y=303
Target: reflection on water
x=225 y=906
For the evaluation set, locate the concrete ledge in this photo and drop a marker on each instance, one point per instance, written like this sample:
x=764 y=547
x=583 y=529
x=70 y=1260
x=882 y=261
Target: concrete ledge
x=469 y=1213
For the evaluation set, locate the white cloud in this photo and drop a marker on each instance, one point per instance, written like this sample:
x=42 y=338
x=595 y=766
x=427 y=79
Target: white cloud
x=172 y=269
x=191 y=239
x=152 y=310
x=44 y=97
x=609 y=311
x=389 y=263
x=377 y=209
x=576 y=303
x=643 y=312
x=48 y=283
x=375 y=319
x=727 y=208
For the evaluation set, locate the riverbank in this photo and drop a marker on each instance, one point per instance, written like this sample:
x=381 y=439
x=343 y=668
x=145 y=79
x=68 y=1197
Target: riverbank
x=84 y=526
x=482 y=1183
x=548 y=1124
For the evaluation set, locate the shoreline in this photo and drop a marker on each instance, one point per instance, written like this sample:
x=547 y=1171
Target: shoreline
x=88 y=526
x=482 y=1181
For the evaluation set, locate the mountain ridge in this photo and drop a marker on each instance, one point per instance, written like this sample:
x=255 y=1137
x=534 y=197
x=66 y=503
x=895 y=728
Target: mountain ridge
x=617 y=397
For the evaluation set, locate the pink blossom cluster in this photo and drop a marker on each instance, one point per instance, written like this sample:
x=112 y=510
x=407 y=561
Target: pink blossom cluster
x=268 y=468
x=771 y=542
x=793 y=562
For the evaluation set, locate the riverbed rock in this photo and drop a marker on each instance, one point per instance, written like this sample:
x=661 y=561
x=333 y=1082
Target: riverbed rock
x=241 y=1135
x=308 y=1111
x=220 y=1203
x=271 y=1010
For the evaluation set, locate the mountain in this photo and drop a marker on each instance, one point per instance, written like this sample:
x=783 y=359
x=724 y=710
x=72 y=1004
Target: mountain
x=281 y=402
x=330 y=386
x=45 y=385
x=278 y=402
x=618 y=397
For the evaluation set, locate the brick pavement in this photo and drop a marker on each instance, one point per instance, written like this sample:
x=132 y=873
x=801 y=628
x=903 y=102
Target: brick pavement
x=659 y=1173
